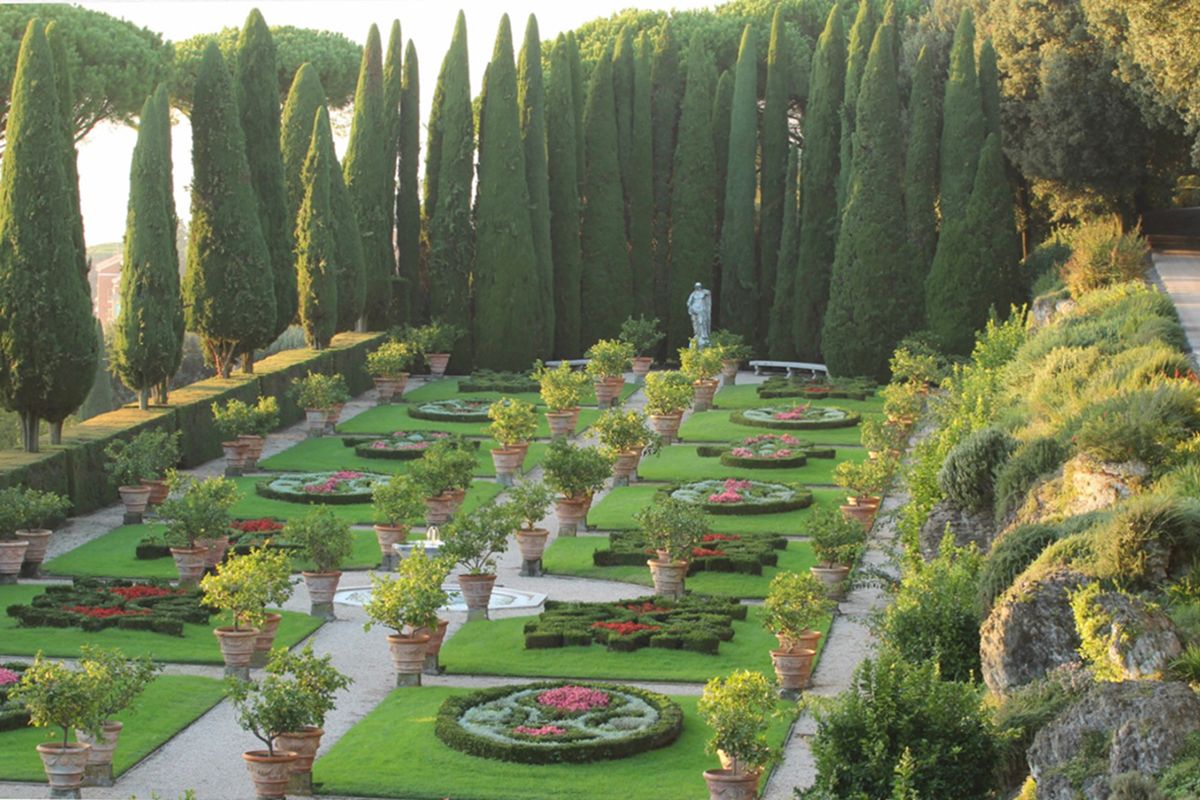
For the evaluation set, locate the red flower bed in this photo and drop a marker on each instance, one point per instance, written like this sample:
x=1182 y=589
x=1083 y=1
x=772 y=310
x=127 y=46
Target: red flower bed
x=645 y=608
x=704 y=552
x=98 y=612
x=140 y=590
x=721 y=537
x=625 y=628
x=264 y=525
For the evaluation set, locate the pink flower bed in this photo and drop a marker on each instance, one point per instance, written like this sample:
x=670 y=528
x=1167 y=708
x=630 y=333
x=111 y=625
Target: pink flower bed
x=573 y=698
x=7 y=677
x=331 y=484
x=731 y=492
x=545 y=730
x=792 y=413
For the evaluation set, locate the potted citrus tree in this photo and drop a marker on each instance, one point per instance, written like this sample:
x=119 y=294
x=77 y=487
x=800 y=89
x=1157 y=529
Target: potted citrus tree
x=561 y=389
x=240 y=588
x=434 y=342
x=408 y=604
x=673 y=528
x=27 y=516
x=514 y=423
x=623 y=438
x=272 y=566
x=160 y=450
x=738 y=708
x=395 y=503
x=733 y=349
x=128 y=468
x=796 y=603
x=12 y=549
x=837 y=543
x=864 y=481
x=473 y=542
x=197 y=520
x=643 y=335
x=264 y=419
x=266 y=709
x=576 y=473
x=444 y=474
x=325 y=541
x=316 y=678
x=388 y=365
x=668 y=394
x=530 y=501
x=607 y=361
x=321 y=397
x=234 y=420
x=700 y=364
x=120 y=680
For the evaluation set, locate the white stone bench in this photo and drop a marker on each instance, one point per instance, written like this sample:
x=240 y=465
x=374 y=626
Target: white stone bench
x=792 y=367
x=576 y=363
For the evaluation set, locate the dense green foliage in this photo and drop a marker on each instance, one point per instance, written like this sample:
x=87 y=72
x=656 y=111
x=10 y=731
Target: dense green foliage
x=410 y=295
x=968 y=474
x=779 y=329
x=639 y=189
x=721 y=111
x=1011 y=554
x=316 y=248
x=561 y=163
x=531 y=99
x=393 y=88
x=921 y=164
x=666 y=85
x=963 y=125
x=739 y=264
x=773 y=163
x=858 y=47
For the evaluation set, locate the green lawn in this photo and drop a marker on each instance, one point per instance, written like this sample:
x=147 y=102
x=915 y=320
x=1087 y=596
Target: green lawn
x=448 y=388
x=196 y=646
x=573 y=556
x=328 y=453
x=425 y=768
x=170 y=704
x=715 y=426
x=680 y=463
x=385 y=419
x=746 y=396
x=615 y=512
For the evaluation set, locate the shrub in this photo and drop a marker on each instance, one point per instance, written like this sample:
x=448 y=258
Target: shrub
x=575 y=471
x=1021 y=713
x=513 y=421
x=434 y=338
x=561 y=386
x=1149 y=539
x=1028 y=464
x=642 y=334
x=622 y=432
x=608 y=358
x=1187 y=666
x=199 y=511
x=866 y=478
x=699 y=363
x=475 y=539
x=530 y=501
x=968 y=477
x=673 y=526
x=1010 y=556
x=738 y=708
x=245 y=585
x=30 y=509
x=57 y=696
x=316 y=390
x=234 y=419
x=322 y=538
x=1182 y=779
x=1102 y=255
x=312 y=676
x=835 y=539
x=391 y=359
x=796 y=602
x=1044 y=265
x=120 y=679
x=917 y=363
x=398 y=500
x=446 y=466
x=732 y=346
x=667 y=392
x=411 y=599
x=1143 y=424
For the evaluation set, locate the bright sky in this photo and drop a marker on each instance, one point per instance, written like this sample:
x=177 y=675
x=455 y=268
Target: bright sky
x=104 y=155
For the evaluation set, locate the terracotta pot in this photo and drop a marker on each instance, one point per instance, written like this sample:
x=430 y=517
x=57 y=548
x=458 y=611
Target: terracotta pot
x=727 y=763
x=266 y=633
x=726 y=785
x=385 y=387
x=562 y=423
x=253 y=449
x=388 y=535
x=864 y=515
x=158 y=491
x=401 y=383
x=476 y=590
x=304 y=743
x=834 y=579
x=626 y=464
x=702 y=394
x=237 y=645
x=575 y=417
x=793 y=668
x=314 y=421
x=64 y=766
x=436 y=637
x=235 y=455
x=571 y=513
x=134 y=498
x=729 y=371
x=269 y=773
x=524 y=448
x=215 y=550
x=507 y=460
x=321 y=585
x=532 y=543
x=437 y=363
x=808 y=640
x=38 y=540
x=666 y=425
x=101 y=751
x=864 y=500
x=190 y=563
x=457 y=497
x=641 y=366
x=668 y=577
x=408 y=652
x=608 y=390
x=438 y=509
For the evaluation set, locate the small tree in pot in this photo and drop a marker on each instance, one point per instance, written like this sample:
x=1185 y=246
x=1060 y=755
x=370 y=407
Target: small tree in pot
x=235 y=420
x=128 y=469
x=321 y=397
x=530 y=501
x=197 y=519
x=623 y=438
x=738 y=708
x=396 y=502
x=667 y=396
x=796 y=603
x=434 y=342
x=837 y=543
x=576 y=473
x=561 y=389
x=733 y=349
x=161 y=453
x=389 y=365
x=607 y=361
x=444 y=474
x=474 y=542
x=316 y=678
x=673 y=528
x=120 y=680
x=12 y=549
x=325 y=541
x=643 y=335
x=513 y=424
x=864 y=481
x=242 y=587
x=408 y=604
x=700 y=364
x=29 y=516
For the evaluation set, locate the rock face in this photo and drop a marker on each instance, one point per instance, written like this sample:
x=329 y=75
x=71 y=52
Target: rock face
x=1142 y=640
x=1048 y=307
x=968 y=527
x=1134 y=726
x=1030 y=630
x=1083 y=486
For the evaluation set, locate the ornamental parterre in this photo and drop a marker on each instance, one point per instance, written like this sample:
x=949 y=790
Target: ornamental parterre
x=453 y=410
x=94 y=605
x=742 y=496
x=398 y=445
x=796 y=417
x=341 y=487
x=558 y=722
x=816 y=389
x=13 y=714
x=746 y=553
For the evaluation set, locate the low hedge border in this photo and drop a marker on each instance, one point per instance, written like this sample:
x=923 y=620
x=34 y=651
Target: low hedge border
x=697 y=623
x=485 y=380
x=362 y=448
x=730 y=460
x=662 y=733
x=849 y=421
x=165 y=614
x=416 y=412
x=747 y=554
x=803 y=499
x=13 y=715
x=263 y=489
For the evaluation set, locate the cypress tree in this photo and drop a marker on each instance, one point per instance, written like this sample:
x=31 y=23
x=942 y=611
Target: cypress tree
x=305 y=96
x=365 y=172
x=739 y=272
x=100 y=398
x=561 y=136
x=773 y=166
x=531 y=97
x=721 y=111
x=258 y=106
x=989 y=87
x=349 y=249
x=393 y=87
x=412 y=304
x=963 y=124
x=508 y=301
x=449 y=167
x=47 y=332
x=861 y=35
x=607 y=293
x=579 y=95
x=148 y=331
x=623 y=58
x=666 y=85
x=640 y=191
x=820 y=168
x=975 y=257
x=921 y=165
x=693 y=234
x=315 y=246
x=874 y=301
x=780 y=344
x=228 y=288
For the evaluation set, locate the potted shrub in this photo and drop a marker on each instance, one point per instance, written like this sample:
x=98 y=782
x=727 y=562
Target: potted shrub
x=161 y=453
x=265 y=419
x=623 y=437
x=738 y=708
x=266 y=709
x=561 y=389
x=326 y=541
x=530 y=502
x=733 y=350
x=321 y=397
x=197 y=521
x=796 y=602
x=513 y=424
x=903 y=402
x=667 y=396
x=865 y=482
x=837 y=543
x=127 y=468
x=474 y=542
x=643 y=335
x=389 y=365
x=408 y=603
x=273 y=566
x=882 y=438
x=434 y=341
x=12 y=549
x=673 y=529
x=57 y=696
x=395 y=503
x=317 y=679
x=241 y=587
x=575 y=473
x=607 y=361
x=234 y=420
x=700 y=364
x=120 y=680
x=27 y=516
x=444 y=474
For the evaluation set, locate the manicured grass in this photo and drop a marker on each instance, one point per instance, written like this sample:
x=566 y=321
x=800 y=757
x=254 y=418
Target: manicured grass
x=169 y=704
x=385 y=419
x=615 y=512
x=681 y=463
x=448 y=388
x=573 y=556
x=426 y=769
x=746 y=396
x=498 y=648
x=196 y=646
x=715 y=426
x=328 y=453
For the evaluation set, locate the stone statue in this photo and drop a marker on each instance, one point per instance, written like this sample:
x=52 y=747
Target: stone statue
x=699 y=306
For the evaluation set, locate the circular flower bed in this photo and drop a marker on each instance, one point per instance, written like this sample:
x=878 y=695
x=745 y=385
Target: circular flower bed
x=799 y=417
x=767 y=450
x=334 y=488
x=544 y=723
x=736 y=496
x=453 y=410
x=399 y=445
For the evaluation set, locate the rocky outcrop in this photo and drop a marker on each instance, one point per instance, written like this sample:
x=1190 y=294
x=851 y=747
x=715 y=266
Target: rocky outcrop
x=1048 y=307
x=969 y=527
x=1116 y=728
x=1030 y=630
x=1134 y=640
x=1082 y=486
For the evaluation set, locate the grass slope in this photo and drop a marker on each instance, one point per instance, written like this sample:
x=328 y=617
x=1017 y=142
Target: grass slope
x=251 y=506
x=680 y=463
x=615 y=512
x=328 y=453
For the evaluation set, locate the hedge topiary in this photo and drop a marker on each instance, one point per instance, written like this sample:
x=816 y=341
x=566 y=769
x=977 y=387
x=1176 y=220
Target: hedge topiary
x=968 y=476
x=1011 y=554
x=95 y=605
x=746 y=552
x=1028 y=463
x=696 y=623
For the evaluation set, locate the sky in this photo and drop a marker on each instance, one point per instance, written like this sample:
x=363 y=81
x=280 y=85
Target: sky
x=104 y=155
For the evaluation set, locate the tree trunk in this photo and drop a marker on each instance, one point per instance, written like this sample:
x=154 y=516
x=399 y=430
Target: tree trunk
x=248 y=362
x=56 y=432
x=29 y=431
x=144 y=399
x=161 y=393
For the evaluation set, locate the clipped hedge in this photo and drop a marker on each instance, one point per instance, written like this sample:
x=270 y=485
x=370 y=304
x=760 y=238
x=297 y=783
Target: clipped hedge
x=848 y=421
x=486 y=380
x=746 y=553
x=802 y=498
x=13 y=714
x=165 y=613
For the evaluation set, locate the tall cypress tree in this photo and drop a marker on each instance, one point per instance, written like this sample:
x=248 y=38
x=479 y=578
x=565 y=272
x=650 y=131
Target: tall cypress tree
x=509 y=319
x=531 y=97
x=349 y=249
x=666 y=85
x=564 y=199
x=773 y=166
x=148 y=331
x=412 y=302
x=989 y=87
x=963 y=123
x=606 y=286
x=623 y=58
x=721 y=111
x=693 y=233
x=393 y=87
x=861 y=35
x=100 y=398
x=304 y=97
x=640 y=191
x=739 y=270
x=975 y=257
x=47 y=330
x=228 y=289
x=921 y=165
x=449 y=167
x=315 y=245
x=873 y=300
x=258 y=106
x=579 y=94
x=820 y=168
x=780 y=343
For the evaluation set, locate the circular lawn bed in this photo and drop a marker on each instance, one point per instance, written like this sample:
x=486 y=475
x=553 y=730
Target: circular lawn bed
x=453 y=410
x=330 y=488
x=739 y=496
x=798 y=418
